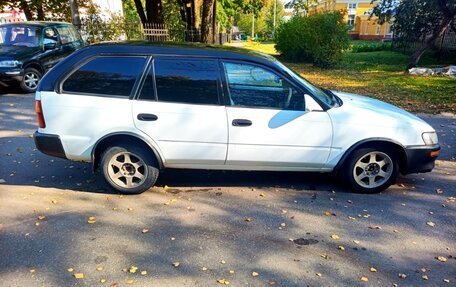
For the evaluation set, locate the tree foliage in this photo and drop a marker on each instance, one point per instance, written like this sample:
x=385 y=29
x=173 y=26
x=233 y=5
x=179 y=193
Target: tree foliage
x=421 y=21
x=42 y=9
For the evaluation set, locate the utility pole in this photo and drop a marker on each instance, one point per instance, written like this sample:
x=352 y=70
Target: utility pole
x=253 y=26
x=275 y=15
x=75 y=19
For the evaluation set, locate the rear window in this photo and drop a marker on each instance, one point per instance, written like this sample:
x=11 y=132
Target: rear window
x=106 y=76
x=184 y=81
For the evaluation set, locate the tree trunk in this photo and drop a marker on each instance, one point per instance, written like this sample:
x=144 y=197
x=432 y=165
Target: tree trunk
x=429 y=42
x=206 y=20
x=75 y=19
x=214 y=22
x=154 y=10
x=39 y=12
x=140 y=10
x=26 y=9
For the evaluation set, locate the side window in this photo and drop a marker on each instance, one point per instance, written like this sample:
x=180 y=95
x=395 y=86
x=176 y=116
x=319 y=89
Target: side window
x=49 y=36
x=186 y=81
x=65 y=35
x=256 y=87
x=110 y=76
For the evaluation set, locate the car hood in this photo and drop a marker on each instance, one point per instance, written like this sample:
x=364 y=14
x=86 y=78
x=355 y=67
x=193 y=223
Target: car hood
x=17 y=52
x=364 y=109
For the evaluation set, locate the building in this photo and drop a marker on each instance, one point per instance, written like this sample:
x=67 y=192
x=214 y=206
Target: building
x=357 y=14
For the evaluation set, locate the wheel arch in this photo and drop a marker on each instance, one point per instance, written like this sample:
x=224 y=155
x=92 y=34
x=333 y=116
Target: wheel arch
x=35 y=65
x=121 y=137
x=375 y=142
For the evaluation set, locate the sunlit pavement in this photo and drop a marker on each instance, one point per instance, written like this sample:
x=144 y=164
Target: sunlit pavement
x=59 y=221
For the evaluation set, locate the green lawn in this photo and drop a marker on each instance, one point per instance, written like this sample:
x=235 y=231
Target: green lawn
x=381 y=75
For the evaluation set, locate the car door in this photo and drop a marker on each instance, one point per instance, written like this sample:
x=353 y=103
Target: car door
x=179 y=107
x=50 y=56
x=69 y=39
x=269 y=125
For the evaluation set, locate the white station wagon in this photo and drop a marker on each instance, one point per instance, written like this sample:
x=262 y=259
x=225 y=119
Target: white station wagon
x=133 y=109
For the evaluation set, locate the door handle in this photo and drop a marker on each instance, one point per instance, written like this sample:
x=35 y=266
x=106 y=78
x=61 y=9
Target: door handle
x=241 y=123
x=147 y=117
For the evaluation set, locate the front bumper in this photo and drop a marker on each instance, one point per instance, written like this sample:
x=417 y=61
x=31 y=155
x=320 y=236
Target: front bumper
x=11 y=75
x=421 y=159
x=49 y=144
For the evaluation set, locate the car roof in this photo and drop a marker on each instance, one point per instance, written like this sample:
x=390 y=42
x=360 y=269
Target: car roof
x=179 y=49
x=145 y=48
x=40 y=24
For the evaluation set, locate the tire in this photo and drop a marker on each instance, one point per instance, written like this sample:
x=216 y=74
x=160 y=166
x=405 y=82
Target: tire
x=371 y=170
x=30 y=80
x=129 y=169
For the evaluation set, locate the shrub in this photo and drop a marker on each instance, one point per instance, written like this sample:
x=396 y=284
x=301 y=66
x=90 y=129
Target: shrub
x=372 y=47
x=320 y=38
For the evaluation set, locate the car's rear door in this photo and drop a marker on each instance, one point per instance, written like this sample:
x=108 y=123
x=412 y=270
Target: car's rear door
x=269 y=125
x=179 y=107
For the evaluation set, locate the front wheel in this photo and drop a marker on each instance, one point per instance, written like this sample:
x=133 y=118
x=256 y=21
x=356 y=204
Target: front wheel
x=30 y=80
x=371 y=170
x=129 y=169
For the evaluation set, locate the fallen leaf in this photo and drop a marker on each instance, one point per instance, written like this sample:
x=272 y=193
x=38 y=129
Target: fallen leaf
x=372 y=269
x=356 y=242
x=364 y=279
x=335 y=237
x=130 y=281
x=442 y=259
x=133 y=269
x=402 y=275
x=325 y=256
x=91 y=220
x=430 y=223
x=102 y=280
x=446 y=280
x=176 y=264
x=327 y=213
x=129 y=209
x=204 y=268
x=70 y=269
x=341 y=248
x=99 y=268
x=262 y=195
x=248 y=219
x=144 y=272
x=223 y=261
x=231 y=271
x=255 y=274
x=223 y=281
x=32 y=270
x=318 y=274
x=375 y=227
x=41 y=217
x=439 y=190
x=145 y=230
x=425 y=277
x=78 y=275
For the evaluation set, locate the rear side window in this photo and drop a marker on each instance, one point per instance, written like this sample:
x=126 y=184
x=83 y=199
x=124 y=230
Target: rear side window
x=186 y=81
x=109 y=76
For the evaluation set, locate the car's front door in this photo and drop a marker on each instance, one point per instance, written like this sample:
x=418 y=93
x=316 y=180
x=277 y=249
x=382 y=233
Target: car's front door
x=180 y=109
x=269 y=125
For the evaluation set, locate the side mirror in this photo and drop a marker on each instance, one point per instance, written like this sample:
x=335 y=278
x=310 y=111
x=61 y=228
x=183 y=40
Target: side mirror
x=311 y=104
x=50 y=46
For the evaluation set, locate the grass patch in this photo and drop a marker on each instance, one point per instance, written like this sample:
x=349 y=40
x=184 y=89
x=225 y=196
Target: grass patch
x=381 y=75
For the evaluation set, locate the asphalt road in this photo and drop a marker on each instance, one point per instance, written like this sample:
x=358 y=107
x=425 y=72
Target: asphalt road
x=217 y=225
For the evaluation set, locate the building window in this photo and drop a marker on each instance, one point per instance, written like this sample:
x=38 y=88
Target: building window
x=367 y=29
x=351 y=6
x=390 y=28
x=377 y=30
x=351 y=22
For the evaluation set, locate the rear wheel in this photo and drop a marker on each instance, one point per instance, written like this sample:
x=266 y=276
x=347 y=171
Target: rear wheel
x=30 y=80
x=129 y=169
x=371 y=170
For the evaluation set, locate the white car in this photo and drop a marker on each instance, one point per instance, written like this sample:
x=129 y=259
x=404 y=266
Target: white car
x=135 y=108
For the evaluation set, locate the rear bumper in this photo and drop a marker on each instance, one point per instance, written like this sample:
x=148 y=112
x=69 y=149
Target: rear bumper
x=421 y=159
x=49 y=144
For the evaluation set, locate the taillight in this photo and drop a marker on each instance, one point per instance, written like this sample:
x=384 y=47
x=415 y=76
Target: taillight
x=39 y=114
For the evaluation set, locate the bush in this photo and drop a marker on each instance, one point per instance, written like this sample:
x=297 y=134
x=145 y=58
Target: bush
x=320 y=38
x=372 y=47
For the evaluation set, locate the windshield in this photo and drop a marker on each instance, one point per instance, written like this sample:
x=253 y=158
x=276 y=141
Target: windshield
x=326 y=97
x=19 y=36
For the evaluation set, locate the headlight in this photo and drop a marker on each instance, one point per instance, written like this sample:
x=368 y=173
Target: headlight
x=430 y=138
x=9 y=64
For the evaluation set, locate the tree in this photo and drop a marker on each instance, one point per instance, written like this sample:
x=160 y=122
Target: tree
x=39 y=9
x=206 y=20
x=418 y=20
x=151 y=12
